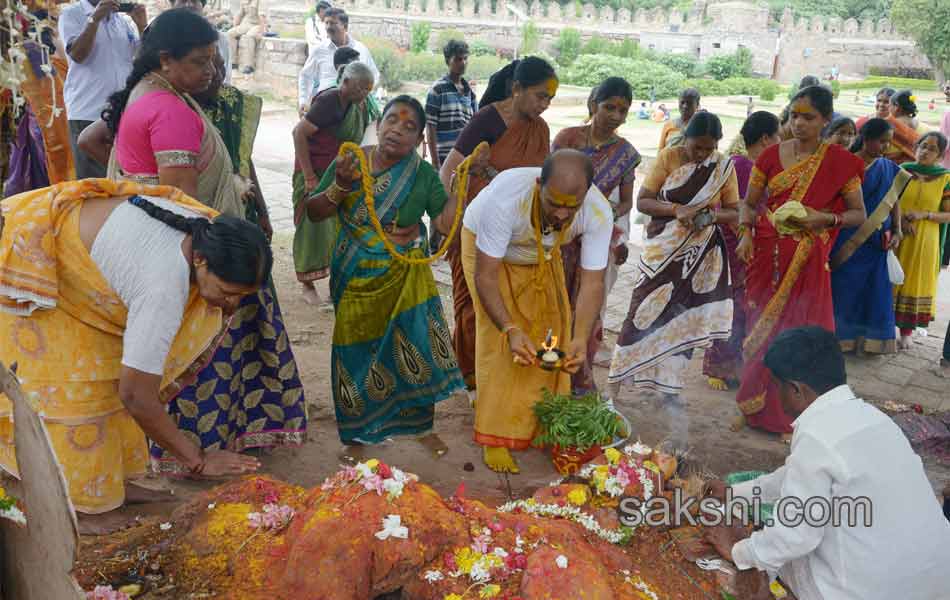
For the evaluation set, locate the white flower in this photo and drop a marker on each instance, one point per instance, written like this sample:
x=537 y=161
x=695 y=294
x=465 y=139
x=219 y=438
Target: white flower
x=393 y=527
x=14 y=514
x=211 y=506
x=500 y=553
x=479 y=573
x=561 y=561
x=165 y=526
x=393 y=487
x=433 y=576
x=364 y=470
x=46 y=68
x=613 y=487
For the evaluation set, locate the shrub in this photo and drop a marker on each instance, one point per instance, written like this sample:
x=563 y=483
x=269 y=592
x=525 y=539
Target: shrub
x=444 y=36
x=481 y=48
x=875 y=83
x=725 y=66
x=766 y=89
x=598 y=44
x=482 y=67
x=387 y=57
x=420 y=37
x=530 y=38
x=684 y=64
x=426 y=67
x=835 y=87
x=568 y=46
x=591 y=69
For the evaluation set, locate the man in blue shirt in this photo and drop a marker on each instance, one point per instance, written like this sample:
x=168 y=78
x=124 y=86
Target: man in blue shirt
x=450 y=104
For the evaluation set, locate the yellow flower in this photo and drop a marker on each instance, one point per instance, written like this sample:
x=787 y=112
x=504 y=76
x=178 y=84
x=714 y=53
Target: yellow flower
x=465 y=558
x=600 y=479
x=577 y=496
x=612 y=454
x=452 y=597
x=372 y=463
x=650 y=465
x=489 y=591
x=3 y=493
x=913 y=98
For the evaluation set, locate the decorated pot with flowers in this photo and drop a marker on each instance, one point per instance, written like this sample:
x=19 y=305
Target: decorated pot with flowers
x=575 y=428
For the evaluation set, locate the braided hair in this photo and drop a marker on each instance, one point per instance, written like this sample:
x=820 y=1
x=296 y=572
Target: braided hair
x=236 y=250
x=176 y=32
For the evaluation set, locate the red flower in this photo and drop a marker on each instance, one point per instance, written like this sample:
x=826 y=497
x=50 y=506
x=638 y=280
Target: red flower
x=383 y=470
x=448 y=559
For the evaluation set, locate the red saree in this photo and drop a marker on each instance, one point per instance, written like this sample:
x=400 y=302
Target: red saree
x=523 y=144
x=788 y=283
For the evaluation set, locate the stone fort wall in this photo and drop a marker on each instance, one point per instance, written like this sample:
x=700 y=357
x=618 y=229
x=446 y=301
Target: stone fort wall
x=785 y=49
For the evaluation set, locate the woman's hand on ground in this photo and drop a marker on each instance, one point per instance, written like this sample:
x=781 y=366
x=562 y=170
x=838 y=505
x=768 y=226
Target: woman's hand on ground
x=220 y=463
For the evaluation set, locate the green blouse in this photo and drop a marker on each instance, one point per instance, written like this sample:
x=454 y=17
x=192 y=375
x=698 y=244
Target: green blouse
x=426 y=196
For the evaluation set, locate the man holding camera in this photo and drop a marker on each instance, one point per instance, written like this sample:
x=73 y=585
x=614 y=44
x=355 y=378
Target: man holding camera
x=100 y=46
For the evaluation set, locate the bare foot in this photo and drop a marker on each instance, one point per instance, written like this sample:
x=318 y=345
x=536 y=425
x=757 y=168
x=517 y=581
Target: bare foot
x=352 y=453
x=434 y=444
x=310 y=295
x=137 y=493
x=717 y=384
x=105 y=523
x=905 y=342
x=943 y=369
x=786 y=438
x=500 y=460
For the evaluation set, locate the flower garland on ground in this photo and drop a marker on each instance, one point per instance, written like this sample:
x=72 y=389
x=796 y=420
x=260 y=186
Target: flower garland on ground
x=9 y=509
x=571 y=513
x=374 y=476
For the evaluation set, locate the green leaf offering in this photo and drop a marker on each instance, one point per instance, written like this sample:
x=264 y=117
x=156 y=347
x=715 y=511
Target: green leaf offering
x=575 y=422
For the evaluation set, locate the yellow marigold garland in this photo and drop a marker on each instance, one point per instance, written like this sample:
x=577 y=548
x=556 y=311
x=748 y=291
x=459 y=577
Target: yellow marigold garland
x=366 y=182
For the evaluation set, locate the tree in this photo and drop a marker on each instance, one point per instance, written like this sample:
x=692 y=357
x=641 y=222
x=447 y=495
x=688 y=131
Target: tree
x=420 y=37
x=530 y=39
x=724 y=66
x=928 y=23
x=568 y=46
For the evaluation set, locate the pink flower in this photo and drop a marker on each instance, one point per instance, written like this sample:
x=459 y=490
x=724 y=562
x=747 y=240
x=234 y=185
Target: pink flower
x=374 y=483
x=105 y=592
x=622 y=477
x=495 y=526
x=274 y=517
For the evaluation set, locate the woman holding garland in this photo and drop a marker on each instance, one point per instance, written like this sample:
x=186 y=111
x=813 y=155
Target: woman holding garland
x=392 y=358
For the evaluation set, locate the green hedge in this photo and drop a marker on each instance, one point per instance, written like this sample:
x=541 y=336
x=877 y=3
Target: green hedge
x=591 y=69
x=398 y=66
x=736 y=86
x=898 y=83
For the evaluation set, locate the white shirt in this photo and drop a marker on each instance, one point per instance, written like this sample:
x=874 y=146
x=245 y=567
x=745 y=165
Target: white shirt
x=500 y=218
x=318 y=73
x=844 y=447
x=224 y=49
x=90 y=83
x=155 y=295
x=315 y=31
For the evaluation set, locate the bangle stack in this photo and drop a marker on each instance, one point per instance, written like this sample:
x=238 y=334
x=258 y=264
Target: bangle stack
x=836 y=222
x=199 y=468
x=335 y=193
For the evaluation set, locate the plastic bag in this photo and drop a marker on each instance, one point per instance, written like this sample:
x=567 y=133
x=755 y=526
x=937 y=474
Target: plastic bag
x=894 y=270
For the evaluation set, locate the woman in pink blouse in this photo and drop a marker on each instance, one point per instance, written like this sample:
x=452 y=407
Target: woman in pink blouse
x=161 y=134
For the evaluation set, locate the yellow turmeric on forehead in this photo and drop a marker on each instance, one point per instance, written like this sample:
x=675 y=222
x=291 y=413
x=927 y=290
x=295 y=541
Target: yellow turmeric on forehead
x=559 y=198
x=551 y=86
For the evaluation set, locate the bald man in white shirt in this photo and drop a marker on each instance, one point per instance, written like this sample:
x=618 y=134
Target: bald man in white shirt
x=842 y=449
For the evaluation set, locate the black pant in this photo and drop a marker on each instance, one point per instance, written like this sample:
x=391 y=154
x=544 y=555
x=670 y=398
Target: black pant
x=86 y=166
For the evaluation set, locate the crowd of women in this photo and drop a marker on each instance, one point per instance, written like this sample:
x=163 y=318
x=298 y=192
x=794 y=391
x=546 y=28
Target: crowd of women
x=170 y=299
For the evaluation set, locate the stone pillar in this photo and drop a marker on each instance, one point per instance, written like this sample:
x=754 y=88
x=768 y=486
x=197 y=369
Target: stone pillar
x=468 y=8
x=624 y=17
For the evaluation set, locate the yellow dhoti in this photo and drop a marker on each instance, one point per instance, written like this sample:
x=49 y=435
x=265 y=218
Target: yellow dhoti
x=537 y=300
x=62 y=323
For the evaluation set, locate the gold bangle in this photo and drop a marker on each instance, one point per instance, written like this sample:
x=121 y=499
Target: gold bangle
x=508 y=329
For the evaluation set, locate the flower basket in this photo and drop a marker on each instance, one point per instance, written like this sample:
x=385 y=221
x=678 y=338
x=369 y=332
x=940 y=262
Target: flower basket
x=568 y=460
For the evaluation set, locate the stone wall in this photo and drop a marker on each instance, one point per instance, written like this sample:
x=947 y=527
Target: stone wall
x=784 y=49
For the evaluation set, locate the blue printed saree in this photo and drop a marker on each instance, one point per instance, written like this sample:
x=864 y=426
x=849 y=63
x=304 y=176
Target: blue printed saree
x=392 y=357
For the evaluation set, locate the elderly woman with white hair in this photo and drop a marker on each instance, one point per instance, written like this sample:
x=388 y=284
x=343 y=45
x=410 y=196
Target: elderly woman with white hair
x=336 y=115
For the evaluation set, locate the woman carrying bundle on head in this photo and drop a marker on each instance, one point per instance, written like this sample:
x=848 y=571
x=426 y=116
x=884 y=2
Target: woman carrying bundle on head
x=683 y=297
x=112 y=307
x=250 y=395
x=862 y=294
x=509 y=121
x=925 y=206
x=802 y=191
x=722 y=362
x=392 y=358
x=615 y=162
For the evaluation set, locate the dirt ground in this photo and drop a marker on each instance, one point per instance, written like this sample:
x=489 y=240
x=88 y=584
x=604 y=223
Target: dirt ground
x=714 y=447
